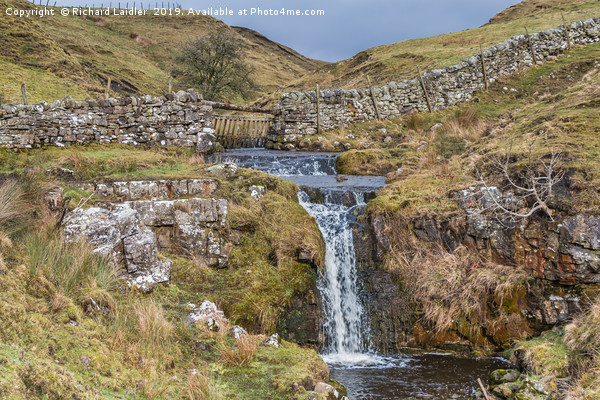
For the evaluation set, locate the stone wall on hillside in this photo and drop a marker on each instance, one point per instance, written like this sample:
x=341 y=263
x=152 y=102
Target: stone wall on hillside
x=179 y=119
x=296 y=113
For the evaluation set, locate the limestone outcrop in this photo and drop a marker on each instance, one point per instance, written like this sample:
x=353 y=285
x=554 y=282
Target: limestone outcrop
x=121 y=236
x=135 y=232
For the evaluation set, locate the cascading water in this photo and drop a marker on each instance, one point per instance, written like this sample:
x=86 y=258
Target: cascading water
x=344 y=325
x=334 y=203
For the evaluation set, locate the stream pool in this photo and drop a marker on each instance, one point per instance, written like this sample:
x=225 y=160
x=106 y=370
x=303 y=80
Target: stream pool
x=344 y=324
x=424 y=376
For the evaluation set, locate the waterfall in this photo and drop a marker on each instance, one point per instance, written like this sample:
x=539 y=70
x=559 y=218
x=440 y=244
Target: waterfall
x=345 y=328
x=344 y=325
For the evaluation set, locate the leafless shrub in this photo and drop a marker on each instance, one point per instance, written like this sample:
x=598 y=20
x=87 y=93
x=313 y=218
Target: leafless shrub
x=539 y=178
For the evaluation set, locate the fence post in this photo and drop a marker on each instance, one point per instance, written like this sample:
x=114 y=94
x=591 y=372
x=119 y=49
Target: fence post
x=424 y=89
x=170 y=86
x=485 y=79
x=317 y=94
x=567 y=30
x=107 y=94
x=530 y=46
x=374 y=99
x=24 y=93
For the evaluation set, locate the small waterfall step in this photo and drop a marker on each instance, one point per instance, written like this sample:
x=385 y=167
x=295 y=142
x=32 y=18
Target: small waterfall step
x=315 y=170
x=334 y=203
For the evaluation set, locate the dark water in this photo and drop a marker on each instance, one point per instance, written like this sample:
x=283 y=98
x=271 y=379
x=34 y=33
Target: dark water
x=366 y=376
x=425 y=376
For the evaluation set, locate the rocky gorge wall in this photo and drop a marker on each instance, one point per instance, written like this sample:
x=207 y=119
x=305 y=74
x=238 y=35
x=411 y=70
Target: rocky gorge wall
x=560 y=260
x=296 y=113
x=178 y=119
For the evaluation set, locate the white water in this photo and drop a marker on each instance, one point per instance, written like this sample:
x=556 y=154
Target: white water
x=344 y=321
x=345 y=329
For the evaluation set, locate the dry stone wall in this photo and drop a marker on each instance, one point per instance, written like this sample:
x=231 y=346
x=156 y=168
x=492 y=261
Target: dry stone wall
x=296 y=114
x=178 y=119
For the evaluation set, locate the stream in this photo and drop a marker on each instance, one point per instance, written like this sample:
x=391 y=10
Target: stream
x=334 y=202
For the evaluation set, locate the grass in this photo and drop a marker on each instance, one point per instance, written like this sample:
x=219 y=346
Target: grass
x=243 y=353
x=68 y=330
x=57 y=56
x=458 y=291
x=398 y=61
x=368 y=162
x=72 y=267
x=545 y=355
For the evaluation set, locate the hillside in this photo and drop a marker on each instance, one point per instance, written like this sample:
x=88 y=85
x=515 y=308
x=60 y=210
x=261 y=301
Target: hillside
x=504 y=139
x=398 y=61
x=56 y=56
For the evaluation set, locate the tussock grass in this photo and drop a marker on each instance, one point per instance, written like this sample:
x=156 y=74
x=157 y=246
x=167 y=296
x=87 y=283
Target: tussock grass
x=457 y=291
x=242 y=354
x=264 y=265
x=544 y=355
x=141 y=326
x=582 y=337
x=368 y=162
x=203 y=385
x=71 y=267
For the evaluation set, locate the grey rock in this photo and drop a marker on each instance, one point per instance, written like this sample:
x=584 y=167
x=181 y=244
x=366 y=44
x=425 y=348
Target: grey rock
x=226 y=170
x=272 y=341
x=324 y=388
x=207 y=314
x=120 y=236
x=257 y=192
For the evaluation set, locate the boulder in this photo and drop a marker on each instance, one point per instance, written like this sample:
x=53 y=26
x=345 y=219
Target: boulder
x=205 y=143
x=237 y=332
x=208 y=314
x=257 y=192
x=120 y=236
x=226 y=170
x=272 y=341
x=324 y=388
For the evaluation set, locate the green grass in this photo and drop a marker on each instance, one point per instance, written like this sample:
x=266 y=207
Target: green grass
x=140 y=343
x=553 y=107
x=545 y=355
x=398 y=61
x=57 y=56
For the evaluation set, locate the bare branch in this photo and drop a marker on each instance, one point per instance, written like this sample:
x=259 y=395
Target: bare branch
x=534 y=193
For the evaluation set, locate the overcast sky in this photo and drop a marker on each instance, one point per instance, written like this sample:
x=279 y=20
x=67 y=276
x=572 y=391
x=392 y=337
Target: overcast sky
x=350 y=26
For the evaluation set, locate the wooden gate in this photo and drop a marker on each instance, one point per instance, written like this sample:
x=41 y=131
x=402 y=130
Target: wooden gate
x=240 y=131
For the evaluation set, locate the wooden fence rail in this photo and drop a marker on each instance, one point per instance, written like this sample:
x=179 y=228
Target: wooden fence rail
x=239 y=131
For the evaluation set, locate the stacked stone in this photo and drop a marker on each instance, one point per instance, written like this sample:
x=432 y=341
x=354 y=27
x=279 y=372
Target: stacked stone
x=161 y=189
x=178 y=119
x=296 y=113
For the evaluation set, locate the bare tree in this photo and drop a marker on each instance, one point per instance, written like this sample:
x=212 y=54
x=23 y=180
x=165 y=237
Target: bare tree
x=215 y=65
x=521 y=199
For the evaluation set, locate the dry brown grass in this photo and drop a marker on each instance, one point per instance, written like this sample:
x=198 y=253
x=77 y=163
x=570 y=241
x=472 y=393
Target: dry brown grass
x=458 y=290
x=141 y=327
x=582 y=337
x=465 y=124
x=415 y=122
x=243 y=353
x=12 y=206
x=197 y=159
x=202 y=385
